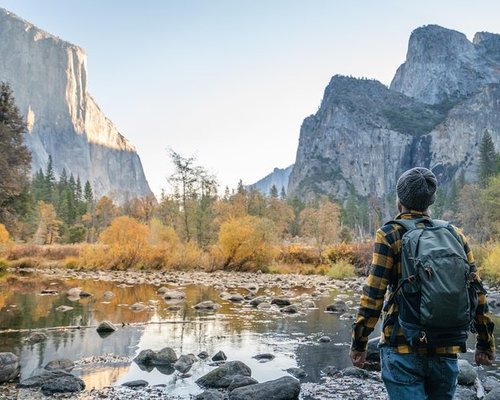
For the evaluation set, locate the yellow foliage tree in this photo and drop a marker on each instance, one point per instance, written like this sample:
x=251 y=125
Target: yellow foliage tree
x=281 y=214
x=247 y=242
x=166 y=245
x=127 y=240
x=4 y=235
x=47 y=231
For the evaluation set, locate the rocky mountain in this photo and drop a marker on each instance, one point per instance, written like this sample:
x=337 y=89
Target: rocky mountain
x=279 y=178
x=441 y=101
x=48 y=77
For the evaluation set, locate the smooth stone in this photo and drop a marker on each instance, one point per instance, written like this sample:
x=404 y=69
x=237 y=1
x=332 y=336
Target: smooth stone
x=264 y=357
x=338 y=306
x=174 y=295
x=136 y=384
x=62 y=363
x=63 y=384
x=137 y=307
x=209 y=395
x=240 y=381
x=108 y=294
x=257 y=300
x=105 y=327
x=324 y=339
x=236 y=298
x=9 y=367
x=494 y=394
x=222 y=376
x=219 y=356
x=264 y=306
x=184 y=363
x=203 y=355
x=206 y=305
x=291 y=309
x=38 y=380
x=64 y=308
x=281 y=301
x=298 y=373
x=285 y=388
x=37 y=337
x=467 y=374
x=165 y=356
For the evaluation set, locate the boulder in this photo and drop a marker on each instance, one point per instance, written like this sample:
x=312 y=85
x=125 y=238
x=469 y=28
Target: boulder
x=219 y=356
x=184 y=363
x=145 y=357
x=62 y=363
x=106 y=327
x=209 y=395
x=62 y=384
x=240 y=381
x=281 y=301
x=298 y=373
x=338 y=306
x=285 y=388
x=203 y=355
x=291 y=309
x=221 y=377
x=36 y=337
x=257 y=300
x=206 y=305
x=9 y=367
x=136 y=384
x=467 y=374
x=165 y=356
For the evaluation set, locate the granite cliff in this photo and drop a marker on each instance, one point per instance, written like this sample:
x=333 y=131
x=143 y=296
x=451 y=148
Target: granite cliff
x=441 y=101
x=279 y=178
x=48 y=77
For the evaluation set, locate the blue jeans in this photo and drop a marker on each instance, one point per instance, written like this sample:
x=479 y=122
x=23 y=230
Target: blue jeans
x=418 y=376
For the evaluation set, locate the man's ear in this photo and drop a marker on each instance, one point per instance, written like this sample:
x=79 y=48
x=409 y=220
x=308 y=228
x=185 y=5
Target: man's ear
x=399 y=205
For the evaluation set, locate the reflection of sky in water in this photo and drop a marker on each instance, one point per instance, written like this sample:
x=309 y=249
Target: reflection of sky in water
x=237 y=329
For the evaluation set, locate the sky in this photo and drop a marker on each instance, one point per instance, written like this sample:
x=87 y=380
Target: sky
x=230 y=81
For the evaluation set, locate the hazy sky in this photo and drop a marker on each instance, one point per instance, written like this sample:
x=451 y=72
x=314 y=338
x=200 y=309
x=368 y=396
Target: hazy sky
x=231 y=81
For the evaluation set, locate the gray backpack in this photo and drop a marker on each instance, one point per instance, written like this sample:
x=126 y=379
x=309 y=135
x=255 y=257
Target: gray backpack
x=437 y=292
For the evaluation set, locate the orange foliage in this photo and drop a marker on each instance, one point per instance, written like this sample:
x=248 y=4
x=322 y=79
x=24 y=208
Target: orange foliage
x=299 y=254
x=4 y=234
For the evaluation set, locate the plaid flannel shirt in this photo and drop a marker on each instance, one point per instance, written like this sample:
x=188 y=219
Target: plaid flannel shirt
x=384 y=275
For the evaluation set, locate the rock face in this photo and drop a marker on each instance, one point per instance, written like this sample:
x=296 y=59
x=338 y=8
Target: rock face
x=9 y=367
x=279 y=178
x=48 y=77
x=440 y=103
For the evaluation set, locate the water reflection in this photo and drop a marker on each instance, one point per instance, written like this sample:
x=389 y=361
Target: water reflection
x=239 y=330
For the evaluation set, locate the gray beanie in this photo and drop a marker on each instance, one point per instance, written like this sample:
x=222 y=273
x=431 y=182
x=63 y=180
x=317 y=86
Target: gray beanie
x=416 y=188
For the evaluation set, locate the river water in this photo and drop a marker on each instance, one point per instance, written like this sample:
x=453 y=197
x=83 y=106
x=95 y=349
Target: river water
x=238 y=329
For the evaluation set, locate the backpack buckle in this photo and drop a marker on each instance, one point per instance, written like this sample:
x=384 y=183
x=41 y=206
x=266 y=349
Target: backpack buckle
x=412 y=279
x=423 y=337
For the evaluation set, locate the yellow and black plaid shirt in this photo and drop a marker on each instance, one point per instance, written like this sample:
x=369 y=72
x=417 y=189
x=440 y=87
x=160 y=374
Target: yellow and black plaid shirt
x=384 y=275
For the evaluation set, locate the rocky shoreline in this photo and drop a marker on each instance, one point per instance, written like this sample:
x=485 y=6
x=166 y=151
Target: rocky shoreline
x=57 y=381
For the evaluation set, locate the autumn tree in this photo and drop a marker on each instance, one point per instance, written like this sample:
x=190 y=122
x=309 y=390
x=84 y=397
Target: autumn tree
x=49 y=225
x=281 y=213
x=14 y=159
x=321 y=224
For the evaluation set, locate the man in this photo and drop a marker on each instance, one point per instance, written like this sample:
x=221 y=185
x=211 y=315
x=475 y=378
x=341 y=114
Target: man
x=409 y=372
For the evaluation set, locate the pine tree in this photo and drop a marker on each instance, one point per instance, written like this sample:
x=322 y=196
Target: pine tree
x=487 y=159
x=283 y=193
x=15 y=158
x=88 y=195
x=50 y=183
x=274 y=192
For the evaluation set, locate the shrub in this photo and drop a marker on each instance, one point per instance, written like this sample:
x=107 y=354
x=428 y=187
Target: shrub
x=246 y=243
x=4 y=264
x=490 y=267
x=72 y=263
x=338 y=252
x=362 y=255
x=25 y=263
x=342 y=269
x=299 y=254
x=4 y=235
x=77 y=233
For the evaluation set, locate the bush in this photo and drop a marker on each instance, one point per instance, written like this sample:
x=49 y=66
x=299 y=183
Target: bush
x=25 y=263
x=299 y=254
x=77 y=233
x=4 y=264
x=338 y=252
x=72 y=263
x=490 y=266
x=4 y=234
x=341 y=270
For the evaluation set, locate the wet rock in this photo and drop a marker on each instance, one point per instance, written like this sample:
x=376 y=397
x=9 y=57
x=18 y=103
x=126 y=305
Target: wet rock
x=240 y=381
x=37 y=337
x=203 y=355
x=49 y=292
x=281 y=301
x=309 y=304
x=85 y=294
x=174 y=295
x=184 y=363
x=264 y=357
x=145 y=357
x=285 y=388
x=464 y=393
x=62 y=363
x=338 y=306
x=62 y=384
x=74 y=292
x=9 y=367
x=291 y=309
x=209 y=395
x=221 y=377
x=264 y=306
x=108 y=295
x=467 y=374
x=490 y=383
x=298 y=373
x=63 y=308
x=162 y=290
x=137 y=307
x=236 y=298
x=136 y=384
x=324 y=339
x=165 y=356
x=219 y=356
x=106 y=327
x=206 y=305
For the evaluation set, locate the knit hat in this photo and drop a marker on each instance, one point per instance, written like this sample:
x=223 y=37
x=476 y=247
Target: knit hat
x=416 y=188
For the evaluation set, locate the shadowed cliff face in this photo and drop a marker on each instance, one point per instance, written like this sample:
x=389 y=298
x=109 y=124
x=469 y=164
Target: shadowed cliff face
x=440 y=103
x=49 y=79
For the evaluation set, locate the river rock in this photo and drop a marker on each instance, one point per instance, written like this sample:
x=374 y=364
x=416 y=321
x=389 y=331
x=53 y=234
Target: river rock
x=137 y=307
x=298 y=373
x=9 y=367
x=37 y=337
x=206 y=305
x=62 y=384
x=465 y=393
x=184 y=363
x=356 y=372
x=257 y=300
x=494 y=394
x=291 y=309
x=209 y=395
x=219 y=356
x=165 y=356
x=467 y=374
x=85 y=294
x=264 y=357
x=235 y=298
x=62 y=363
x=338 y=306
x=221 y=377
x=490 y=383
x=106 y=327
x=63 y=308
x=240 y=381
x=325 y=339
x=203 y=355
x=285 y=388
x=108 y=294
x=174 y=295
x=74 y=292
x=136 y=384
x=281 y=301
x=264 y=306
x=308 y=304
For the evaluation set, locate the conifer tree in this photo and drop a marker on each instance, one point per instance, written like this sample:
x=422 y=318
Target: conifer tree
x=487 y=159
x=283 y=193
x=15 y=158
x=273 y=192
x=50 y=183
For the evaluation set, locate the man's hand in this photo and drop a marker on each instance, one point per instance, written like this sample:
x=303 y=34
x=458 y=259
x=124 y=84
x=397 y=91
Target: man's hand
x=484 y=357
x=358 y=358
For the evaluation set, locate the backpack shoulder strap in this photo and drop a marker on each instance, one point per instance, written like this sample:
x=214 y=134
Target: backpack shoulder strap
x=408 y=224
